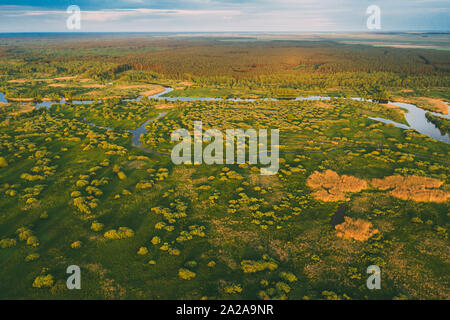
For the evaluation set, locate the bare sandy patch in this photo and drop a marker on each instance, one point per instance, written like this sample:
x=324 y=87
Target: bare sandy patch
x=323 y=105
x=41 y=80
x=65 y=78
x=18 y=81
x=111 y=97
x=58 y=85
x=329 y=186
x=164 y=106
x=392 y=106
x=359 y=230
x=131 y=86
x=436 y=105
x=101 y=95
x=152 y=91
x=440 y=105
x=93 y=86
x=29 y=80
x=420 y=189
x=21 y=99
x=23 y=109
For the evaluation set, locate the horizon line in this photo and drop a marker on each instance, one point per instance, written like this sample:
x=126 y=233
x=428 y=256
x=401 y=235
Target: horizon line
x=188 y=32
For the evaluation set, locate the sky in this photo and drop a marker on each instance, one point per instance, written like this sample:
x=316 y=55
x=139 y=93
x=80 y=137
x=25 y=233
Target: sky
x=223 y=15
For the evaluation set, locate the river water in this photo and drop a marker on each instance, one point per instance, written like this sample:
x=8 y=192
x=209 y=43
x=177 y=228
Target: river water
x=417 y=121
x=138 y=132
x=414 y=116
x=2 y=98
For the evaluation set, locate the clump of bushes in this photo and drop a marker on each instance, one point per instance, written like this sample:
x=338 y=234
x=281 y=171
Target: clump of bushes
x=186 y=274
x=283 y=287
x=3 y=162
x=32 y=257
x=121 y=175
x=76 y=245
x=43 y=281
x=33 y=241
x=142 y=251
x=97 y=226
x=211 y=264
x=233 y=289
x=156 y=240
x=121 y=233
x=250 y=266
x=26 y=234
x=289 y=276
x=7 y=243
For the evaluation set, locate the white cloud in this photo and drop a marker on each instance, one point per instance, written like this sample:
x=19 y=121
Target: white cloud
x=116 y=14
x=226 y=15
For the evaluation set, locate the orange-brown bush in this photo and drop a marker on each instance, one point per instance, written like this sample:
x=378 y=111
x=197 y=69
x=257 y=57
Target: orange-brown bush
x=359 y=229
x=330 y=186
x=421 y=189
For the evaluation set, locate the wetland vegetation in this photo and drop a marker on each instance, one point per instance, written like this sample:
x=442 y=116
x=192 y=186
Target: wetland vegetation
x=80 y=185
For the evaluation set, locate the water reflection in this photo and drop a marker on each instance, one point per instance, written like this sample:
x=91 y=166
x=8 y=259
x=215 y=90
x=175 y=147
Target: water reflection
x=415 y=116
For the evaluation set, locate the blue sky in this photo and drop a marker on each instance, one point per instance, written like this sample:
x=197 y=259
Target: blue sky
x=223 y=15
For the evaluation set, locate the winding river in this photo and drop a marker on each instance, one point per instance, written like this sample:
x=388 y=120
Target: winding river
x=414 y=116
x=138 y=132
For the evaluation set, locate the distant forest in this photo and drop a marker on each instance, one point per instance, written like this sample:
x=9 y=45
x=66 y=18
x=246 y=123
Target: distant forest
x=302 y=65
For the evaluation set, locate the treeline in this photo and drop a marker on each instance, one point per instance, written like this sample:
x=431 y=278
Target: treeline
x=299 y=65
x=98 y=70
x=253 y=59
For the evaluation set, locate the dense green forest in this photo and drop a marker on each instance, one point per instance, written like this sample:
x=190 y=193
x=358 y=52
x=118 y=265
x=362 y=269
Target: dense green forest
x=302 y=65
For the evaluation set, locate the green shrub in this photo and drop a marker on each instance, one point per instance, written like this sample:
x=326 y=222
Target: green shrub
x=3 y=162
x=33 y=241
x=142 y=251
x=7 y=243
x=121 y=233
x=233 y=289
x=96 y=226
x=32 y=257
x=43 y=281
x=249 y=266
x=186 y=274
x=289 y=276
